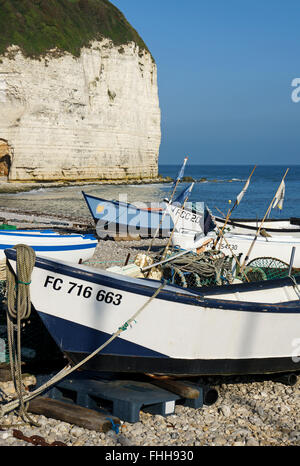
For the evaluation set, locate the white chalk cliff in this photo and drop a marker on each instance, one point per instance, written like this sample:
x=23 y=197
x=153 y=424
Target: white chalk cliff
x=90 y=117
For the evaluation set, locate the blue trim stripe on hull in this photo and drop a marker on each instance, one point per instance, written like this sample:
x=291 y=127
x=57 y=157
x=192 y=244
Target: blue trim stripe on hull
x=87 y=340
x=71 y=247
x=43 y=234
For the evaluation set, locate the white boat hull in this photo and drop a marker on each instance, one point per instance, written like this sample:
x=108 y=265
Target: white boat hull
x=71 y=247
x=245 y=328
x=277 y=247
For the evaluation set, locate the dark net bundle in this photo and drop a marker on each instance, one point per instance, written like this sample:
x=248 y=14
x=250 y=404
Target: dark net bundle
x=196 y=270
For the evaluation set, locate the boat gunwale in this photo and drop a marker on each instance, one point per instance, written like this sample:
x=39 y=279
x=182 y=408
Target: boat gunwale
x=41 y=235
x=187 y=296
x=61 y=247
x=129 y=205
x=235 y=223
x=126 y=204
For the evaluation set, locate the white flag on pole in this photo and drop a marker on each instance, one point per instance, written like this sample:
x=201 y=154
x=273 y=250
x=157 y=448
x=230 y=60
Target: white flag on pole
x=181 y=172
x=279 y=198
x=240 y=196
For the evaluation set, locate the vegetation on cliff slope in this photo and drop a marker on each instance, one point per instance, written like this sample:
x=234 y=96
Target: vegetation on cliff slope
x=37 y=26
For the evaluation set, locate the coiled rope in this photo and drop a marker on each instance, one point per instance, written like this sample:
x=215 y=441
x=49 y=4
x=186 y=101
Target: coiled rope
x=18 y=309
x=67 y=370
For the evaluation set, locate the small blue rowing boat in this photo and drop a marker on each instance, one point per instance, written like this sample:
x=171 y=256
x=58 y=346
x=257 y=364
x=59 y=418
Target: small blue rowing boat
x=71 y=247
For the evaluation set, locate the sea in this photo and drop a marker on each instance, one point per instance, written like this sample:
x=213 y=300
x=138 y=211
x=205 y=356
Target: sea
x=218 y=189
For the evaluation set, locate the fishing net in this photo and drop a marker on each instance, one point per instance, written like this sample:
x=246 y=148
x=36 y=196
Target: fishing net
x=213 y=268
x=197 y=270
x=267 y=268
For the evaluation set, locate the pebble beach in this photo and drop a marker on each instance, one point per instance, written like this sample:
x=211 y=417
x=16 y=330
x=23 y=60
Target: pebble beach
x=252 y=413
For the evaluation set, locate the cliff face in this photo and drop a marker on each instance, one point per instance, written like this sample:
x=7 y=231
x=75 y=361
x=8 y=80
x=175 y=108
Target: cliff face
x=89 y=116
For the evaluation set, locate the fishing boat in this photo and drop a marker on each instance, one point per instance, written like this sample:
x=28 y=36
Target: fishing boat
x=273 y=227
x=239 y=245
x=71 y=247
x=247 y=328
x=247 y=246
x=116 y=217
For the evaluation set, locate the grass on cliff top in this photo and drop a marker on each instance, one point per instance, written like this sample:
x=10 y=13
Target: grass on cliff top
x=39 y=25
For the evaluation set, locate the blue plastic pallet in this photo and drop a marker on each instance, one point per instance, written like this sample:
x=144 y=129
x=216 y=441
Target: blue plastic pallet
x=123 y=398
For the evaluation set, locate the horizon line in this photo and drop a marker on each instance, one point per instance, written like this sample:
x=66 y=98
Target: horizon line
x=236 y=164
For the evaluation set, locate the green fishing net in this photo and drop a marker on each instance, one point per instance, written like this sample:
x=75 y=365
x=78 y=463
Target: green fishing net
x=267 y=268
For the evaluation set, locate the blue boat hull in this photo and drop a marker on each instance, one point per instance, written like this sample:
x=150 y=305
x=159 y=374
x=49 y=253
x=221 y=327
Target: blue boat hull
x=116 y=218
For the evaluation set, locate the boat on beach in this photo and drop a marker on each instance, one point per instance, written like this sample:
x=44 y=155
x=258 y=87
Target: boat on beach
x=246 y=246
x=273 y=227
x=245 y=328
x=116 y=218
x=239 y=245
x=71 y=247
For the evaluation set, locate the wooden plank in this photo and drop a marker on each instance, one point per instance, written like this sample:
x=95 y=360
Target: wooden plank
x=72 y=413
x=176 y=386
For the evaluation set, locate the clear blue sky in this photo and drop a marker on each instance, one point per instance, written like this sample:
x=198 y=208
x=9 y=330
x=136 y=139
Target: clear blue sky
x=225 y=69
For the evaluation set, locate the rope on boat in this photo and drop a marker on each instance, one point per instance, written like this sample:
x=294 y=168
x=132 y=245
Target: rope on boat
x=67 y=370
x=18 y=309
x=295 y=284
x=2 y=269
